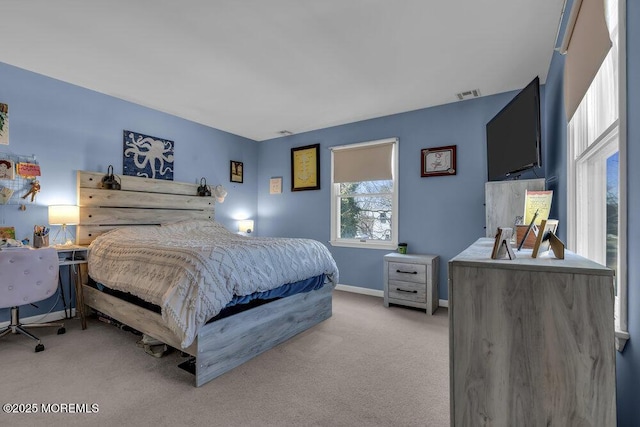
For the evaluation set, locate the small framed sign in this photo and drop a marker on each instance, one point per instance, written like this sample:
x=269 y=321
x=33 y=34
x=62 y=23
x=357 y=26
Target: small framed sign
x=275 y=185
x=438 y=161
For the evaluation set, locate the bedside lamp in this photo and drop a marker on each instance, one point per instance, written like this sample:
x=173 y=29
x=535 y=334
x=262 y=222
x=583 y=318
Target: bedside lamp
x=64 y=215
x=245 y=226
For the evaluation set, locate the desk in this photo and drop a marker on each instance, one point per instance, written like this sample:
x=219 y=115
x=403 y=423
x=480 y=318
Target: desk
x=72 y=256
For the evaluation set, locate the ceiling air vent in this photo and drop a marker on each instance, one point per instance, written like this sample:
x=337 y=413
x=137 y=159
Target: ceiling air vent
x=285 y=133
x=475 y=93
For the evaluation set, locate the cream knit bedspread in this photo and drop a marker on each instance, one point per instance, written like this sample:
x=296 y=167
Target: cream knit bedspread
x=192 y=269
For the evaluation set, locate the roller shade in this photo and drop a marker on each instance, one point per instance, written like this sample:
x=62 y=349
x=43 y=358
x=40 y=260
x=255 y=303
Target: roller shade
x=586 y=44
x=363 y=163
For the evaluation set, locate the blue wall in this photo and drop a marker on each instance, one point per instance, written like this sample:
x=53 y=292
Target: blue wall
x=438 y=215
x=69 y=128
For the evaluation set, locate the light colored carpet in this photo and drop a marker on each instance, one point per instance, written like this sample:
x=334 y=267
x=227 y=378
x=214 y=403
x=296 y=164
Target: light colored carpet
x=365 y=366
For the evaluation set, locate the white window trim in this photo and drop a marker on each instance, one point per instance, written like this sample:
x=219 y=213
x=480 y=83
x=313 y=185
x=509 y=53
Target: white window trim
x=335 y=205
x=622 y=329
x=622 y=333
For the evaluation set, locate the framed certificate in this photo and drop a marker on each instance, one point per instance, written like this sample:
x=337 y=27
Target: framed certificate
x=438 y=161
x=305 y=168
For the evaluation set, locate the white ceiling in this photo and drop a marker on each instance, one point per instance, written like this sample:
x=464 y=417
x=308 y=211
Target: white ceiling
x=256 y=67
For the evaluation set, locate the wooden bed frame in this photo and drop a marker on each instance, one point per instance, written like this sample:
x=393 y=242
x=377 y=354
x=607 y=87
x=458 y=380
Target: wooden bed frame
x=221 y=345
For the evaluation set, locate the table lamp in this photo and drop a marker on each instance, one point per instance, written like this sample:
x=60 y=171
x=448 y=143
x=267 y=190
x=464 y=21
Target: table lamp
x=64 y=215
x=245 y=226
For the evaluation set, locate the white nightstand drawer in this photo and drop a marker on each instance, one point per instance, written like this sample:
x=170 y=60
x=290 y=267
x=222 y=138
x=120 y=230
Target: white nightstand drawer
x=416 y=273
x=407 y=291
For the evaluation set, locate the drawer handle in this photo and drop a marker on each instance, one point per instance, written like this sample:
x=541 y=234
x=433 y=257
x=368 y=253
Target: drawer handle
x=406 y=272
x=404 y=290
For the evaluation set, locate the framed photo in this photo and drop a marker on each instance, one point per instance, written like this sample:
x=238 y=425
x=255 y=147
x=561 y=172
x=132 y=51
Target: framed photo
x=275 y=185
x=4 y=124
x=305 y=168
x=438 y=161
x=236 y=172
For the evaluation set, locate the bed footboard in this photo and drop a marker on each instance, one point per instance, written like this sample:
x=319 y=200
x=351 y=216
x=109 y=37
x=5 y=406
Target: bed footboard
x=229 y=342
x=226 y=343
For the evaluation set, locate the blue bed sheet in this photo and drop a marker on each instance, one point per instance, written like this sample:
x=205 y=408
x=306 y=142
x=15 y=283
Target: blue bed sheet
x=306 y=285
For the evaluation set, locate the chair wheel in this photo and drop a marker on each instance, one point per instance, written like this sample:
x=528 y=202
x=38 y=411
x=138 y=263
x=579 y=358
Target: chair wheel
x=61 y=331
x=39 y=348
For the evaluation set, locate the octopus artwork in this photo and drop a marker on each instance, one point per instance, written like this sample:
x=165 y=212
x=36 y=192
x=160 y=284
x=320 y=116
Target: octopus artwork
x=147 y=156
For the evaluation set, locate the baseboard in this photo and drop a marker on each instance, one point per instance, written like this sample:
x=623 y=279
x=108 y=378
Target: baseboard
x=41 y=318
x=359 y=290
x=377 y=293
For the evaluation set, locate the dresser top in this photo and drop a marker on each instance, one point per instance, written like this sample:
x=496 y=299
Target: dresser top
x=479 y=255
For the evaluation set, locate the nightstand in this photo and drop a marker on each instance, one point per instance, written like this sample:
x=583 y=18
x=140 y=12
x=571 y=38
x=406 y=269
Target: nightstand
x=411 y=280
x=76 y=258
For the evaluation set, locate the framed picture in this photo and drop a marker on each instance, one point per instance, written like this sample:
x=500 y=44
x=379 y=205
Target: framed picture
x=7 y=233
x=4 y=124
x=236 y=172
x=6 y=169
x=438 y=161
x=275 y=185
x=147 y=156
x=305 y=168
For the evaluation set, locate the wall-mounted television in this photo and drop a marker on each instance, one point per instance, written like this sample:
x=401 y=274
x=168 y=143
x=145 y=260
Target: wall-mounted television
x=513 y=136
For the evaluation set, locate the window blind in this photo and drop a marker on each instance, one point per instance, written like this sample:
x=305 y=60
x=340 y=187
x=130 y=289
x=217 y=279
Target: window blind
x=586 y=44
x=358 y=163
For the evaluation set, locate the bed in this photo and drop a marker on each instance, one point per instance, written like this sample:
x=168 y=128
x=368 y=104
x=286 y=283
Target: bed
x=114 y=221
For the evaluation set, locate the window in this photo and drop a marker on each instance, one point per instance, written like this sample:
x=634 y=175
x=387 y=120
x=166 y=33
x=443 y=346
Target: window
x=596 y=166
x=364 y=194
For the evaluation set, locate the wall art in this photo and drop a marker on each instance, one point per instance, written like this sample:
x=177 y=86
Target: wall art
x=147 y=156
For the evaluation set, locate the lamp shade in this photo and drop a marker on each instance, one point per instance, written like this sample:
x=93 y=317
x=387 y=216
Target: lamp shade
x=64 y=214
x=245 y=226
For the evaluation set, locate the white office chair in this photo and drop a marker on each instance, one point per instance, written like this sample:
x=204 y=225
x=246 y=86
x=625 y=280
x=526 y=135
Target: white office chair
x=27 y=276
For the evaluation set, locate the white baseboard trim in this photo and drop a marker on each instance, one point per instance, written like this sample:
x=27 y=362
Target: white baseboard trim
x=377 y=293
x=359 y=290
x=41 y=318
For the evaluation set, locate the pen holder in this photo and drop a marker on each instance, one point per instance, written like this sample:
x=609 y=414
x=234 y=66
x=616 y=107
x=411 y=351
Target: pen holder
x=40 y=241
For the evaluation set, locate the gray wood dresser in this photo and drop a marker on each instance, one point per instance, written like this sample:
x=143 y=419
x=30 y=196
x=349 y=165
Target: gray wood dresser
x=411 y=280
x=531 y=341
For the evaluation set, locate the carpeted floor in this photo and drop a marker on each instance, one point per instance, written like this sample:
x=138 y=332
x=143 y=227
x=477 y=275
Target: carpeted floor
x=365 y=366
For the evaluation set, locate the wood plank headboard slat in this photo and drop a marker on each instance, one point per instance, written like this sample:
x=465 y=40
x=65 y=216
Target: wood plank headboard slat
x=141 y=201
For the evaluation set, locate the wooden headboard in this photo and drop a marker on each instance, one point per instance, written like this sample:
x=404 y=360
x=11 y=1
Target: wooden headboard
x=141 y=201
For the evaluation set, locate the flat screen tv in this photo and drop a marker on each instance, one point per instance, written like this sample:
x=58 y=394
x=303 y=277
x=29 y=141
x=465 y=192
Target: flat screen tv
x=513 y=136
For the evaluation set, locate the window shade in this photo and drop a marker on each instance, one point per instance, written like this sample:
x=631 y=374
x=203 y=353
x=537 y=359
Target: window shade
x=587 y=43
x=363 y=163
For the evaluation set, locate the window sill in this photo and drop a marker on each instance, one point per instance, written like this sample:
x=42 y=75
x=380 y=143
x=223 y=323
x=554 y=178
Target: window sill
x=365 y=245
x=621 y=340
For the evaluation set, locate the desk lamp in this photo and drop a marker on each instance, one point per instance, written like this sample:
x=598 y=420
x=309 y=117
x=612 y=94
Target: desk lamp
x=64 y=215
